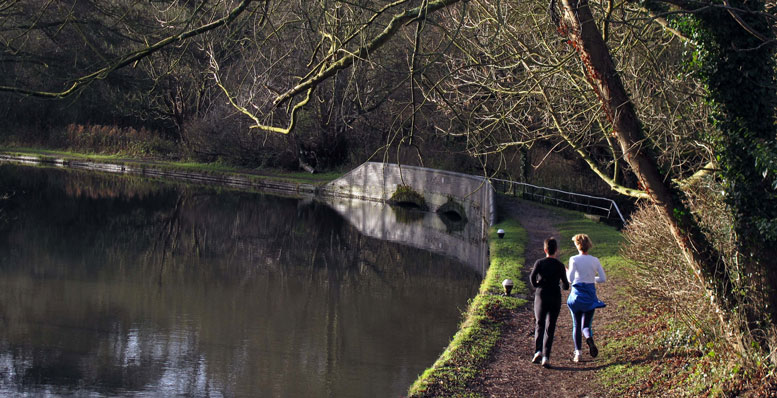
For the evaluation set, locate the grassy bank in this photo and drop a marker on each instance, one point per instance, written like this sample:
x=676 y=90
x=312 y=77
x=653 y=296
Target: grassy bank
x=483 y=321
x=215 y=168
x=624 y=348
x=607 y=240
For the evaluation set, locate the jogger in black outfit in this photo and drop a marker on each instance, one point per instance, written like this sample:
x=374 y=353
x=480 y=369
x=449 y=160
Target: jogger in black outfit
x=546 y=276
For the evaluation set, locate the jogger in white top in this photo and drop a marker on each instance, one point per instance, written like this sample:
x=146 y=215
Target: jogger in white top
x=583 y=273
x=585 y=268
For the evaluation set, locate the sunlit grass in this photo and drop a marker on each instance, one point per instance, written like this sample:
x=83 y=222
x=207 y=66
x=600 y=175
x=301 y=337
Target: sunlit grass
x=49 y=152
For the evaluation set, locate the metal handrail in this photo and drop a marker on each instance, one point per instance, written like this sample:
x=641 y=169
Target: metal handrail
x=608 y=209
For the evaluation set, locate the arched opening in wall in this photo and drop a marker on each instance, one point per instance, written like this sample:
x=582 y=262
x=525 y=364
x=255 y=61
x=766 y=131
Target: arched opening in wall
x=406 y=197
x=408 y=215
x=453 y=215
x=408 y=206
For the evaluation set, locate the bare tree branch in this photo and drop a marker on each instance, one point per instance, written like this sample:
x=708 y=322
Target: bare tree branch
x=132 y=57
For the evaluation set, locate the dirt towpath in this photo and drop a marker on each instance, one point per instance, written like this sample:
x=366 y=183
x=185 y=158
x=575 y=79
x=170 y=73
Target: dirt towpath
x=510 y=373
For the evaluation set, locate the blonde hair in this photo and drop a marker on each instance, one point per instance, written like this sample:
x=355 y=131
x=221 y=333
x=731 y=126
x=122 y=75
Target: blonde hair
x=582 y=242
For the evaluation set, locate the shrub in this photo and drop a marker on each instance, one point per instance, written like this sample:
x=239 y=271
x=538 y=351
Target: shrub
x=105 y=139
x=663 y=276
x=220 y=135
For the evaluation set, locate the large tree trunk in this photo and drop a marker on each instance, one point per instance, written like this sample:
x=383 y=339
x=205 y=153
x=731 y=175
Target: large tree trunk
x=578 y=25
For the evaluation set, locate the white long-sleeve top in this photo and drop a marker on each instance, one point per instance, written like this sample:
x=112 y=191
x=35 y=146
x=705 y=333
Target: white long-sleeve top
x=585 y=268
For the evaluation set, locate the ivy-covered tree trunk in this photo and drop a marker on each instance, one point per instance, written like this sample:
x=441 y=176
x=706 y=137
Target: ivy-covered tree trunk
x=577 y=24
x=734 y=56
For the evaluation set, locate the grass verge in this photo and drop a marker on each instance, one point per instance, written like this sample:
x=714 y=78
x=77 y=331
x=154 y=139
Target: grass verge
x=606 y=240
x=483 y=321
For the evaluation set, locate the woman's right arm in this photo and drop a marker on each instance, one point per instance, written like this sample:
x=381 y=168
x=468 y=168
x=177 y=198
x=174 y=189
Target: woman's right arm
x=533 y=275
x=564 y=278
x=602 y=277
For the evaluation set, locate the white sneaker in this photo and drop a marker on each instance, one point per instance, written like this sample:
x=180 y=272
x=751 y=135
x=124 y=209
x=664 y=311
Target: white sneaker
x=546 y=363
x=536 y=357
x=576 y=358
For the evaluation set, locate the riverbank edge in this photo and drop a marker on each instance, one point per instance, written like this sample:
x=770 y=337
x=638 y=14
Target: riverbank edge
x=483 y=321
x=277 y=182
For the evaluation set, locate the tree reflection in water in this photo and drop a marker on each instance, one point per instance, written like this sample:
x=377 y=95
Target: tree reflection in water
x=121 y=286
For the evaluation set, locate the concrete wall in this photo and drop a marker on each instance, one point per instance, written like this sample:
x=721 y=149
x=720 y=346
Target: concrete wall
x=378 y=181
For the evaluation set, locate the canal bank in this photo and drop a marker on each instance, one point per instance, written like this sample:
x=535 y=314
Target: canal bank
x=283 y=183
x=484 y=320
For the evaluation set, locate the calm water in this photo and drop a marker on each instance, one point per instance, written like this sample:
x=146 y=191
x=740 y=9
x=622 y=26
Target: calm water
x=116 y=286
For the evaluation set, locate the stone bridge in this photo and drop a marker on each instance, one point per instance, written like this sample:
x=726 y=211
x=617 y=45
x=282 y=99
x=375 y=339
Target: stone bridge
x=355 y=195
x=378 y=181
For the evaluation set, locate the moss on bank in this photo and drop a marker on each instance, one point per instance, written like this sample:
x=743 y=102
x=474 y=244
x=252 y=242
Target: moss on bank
x=483 y=321
x=405 y=194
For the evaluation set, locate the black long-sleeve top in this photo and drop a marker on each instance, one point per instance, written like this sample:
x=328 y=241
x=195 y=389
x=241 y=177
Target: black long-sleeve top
x=546 y=276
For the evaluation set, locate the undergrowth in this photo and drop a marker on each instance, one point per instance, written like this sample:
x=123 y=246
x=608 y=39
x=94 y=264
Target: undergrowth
x=662 y=338
x=691 y=352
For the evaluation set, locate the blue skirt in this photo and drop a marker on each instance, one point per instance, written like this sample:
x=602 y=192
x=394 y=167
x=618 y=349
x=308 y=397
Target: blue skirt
x=583 y=298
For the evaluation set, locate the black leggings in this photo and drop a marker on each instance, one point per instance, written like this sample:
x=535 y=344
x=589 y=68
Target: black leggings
x=546 y=309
